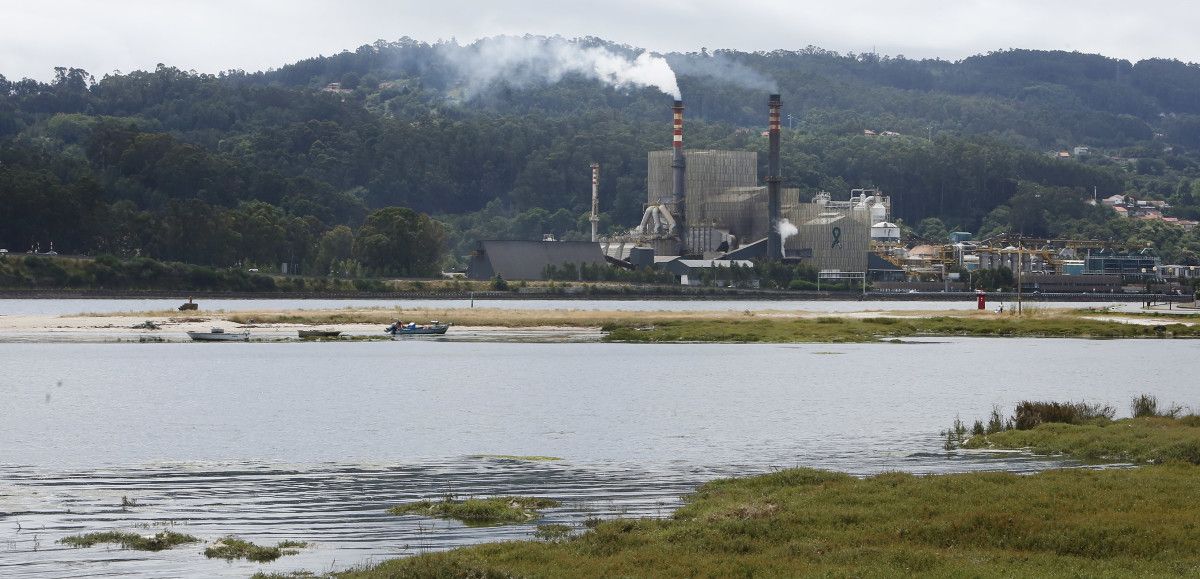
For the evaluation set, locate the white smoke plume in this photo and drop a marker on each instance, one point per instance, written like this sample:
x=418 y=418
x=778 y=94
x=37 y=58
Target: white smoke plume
x=724 y=68
x=521 y=61
x=786 y=230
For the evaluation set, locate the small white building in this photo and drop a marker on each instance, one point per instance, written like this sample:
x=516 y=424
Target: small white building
x=885 y=231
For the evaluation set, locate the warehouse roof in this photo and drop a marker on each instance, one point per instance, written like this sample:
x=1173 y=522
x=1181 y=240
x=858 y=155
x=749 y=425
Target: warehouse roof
x=528 y=259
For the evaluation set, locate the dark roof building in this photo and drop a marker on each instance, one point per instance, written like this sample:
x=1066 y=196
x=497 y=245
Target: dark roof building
x=513 y=260
x=720 y=271
x=881 y=269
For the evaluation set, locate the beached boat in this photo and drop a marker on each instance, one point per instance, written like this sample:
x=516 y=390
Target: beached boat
x=413 y=329
x=308 y=334
x=219 y=335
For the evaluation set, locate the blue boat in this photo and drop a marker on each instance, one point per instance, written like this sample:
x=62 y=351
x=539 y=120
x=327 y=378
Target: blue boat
x=434 y=327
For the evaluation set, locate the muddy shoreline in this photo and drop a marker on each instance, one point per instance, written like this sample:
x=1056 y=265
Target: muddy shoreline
x=664 y=293
x=489 y=324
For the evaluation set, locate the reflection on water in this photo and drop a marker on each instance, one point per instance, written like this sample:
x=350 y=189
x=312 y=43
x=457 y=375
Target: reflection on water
x=313 y=441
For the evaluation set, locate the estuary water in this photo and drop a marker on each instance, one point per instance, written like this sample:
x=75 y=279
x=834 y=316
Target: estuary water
x=313 y=441
x=65 y=307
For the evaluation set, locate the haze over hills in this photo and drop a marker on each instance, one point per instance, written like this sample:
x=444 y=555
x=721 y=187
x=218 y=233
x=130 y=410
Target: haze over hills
x=494 y=139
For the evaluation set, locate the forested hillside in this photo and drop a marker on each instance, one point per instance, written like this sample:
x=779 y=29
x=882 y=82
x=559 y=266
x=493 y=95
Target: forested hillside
x=278 y=166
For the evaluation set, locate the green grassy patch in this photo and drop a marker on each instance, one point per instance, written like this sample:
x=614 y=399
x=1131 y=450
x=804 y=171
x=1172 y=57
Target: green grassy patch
x=479 y=512
x=1153 y=439
x=1114 y=522
x=848 y=329
x=230 y=548
x=156 y=542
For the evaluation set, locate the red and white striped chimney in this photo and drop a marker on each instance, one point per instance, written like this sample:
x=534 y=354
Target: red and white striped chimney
x=678 y=190
x=774 y=238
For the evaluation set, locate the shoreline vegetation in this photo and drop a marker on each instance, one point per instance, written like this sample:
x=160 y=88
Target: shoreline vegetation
x=105 y=276
x=126 y=540
x=554 y=325
x=1152 y=434
x=479 y=512
x=1076 y=521
x=764 y=327
x=830 y=329
x=230 y=548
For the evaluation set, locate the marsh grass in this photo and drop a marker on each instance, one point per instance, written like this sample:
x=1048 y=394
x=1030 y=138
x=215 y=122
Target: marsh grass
x=1146 y=439
x=156 y=542
x=849 y=329
x=553 y=533
x=733 y=326
x=1048 y=428
x=1029 y=413
x=513 y=318
x=479 y=512
x=230 y=548
x=1147 y=405
x=802 y=522
x=956 y=435
x=1125 y=440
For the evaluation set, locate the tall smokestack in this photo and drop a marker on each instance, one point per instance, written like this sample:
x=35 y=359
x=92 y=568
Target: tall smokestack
x=774 y=238
x=595 y=199
x=677 y=165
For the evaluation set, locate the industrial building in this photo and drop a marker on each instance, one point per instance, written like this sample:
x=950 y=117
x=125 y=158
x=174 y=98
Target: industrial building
x=707 y=211
x=513 y=260
x=709 y=204
x=1040 y=265
x=719 y=272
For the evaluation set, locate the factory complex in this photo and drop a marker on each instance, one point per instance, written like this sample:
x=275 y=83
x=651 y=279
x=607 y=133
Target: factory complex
x=708 y=215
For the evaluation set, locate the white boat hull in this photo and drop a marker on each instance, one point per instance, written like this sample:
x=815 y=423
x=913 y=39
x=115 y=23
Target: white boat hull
x=219 y=337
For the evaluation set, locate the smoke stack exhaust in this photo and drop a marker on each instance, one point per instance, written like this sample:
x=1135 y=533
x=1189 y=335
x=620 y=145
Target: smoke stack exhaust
x=678 y=190
x=774 y=237
x=595 y=199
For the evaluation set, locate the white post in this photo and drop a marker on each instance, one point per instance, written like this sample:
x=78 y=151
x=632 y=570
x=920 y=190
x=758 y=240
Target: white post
x=1020 y=267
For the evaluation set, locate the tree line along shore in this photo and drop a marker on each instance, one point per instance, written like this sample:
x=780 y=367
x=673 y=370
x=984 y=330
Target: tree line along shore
x=35 y=276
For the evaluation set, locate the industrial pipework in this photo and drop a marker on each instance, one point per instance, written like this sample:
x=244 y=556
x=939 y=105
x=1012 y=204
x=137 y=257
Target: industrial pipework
x=677 y=165
x=774 y=238
x=595 y=199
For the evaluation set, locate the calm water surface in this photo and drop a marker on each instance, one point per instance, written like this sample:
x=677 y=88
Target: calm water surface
x=19 y=307
x=314 y=441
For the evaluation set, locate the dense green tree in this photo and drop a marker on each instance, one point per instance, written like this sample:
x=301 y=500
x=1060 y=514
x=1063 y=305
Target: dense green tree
x=933 y=230
x=400 y=241
x=336 y=245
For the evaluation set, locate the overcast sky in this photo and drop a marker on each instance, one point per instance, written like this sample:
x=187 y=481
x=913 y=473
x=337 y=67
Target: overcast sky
x=209 y=36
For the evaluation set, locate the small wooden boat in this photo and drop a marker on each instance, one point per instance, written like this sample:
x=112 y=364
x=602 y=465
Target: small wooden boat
x=413 y=329
x=310 y=334
x=219 y=335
